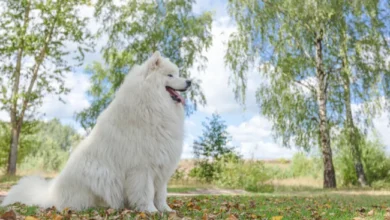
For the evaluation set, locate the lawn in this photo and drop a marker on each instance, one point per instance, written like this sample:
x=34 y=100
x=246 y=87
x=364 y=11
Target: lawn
x=332 y=206
x=297 y=198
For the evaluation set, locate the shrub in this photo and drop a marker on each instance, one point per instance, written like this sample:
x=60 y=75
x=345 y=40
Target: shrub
x=302 y=166
x=178 y=175
x=204 y=171
x=248 y=175
x=381 y=184
x=375 y=162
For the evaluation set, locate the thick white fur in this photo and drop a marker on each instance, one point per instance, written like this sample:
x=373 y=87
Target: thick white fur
x=129 y=156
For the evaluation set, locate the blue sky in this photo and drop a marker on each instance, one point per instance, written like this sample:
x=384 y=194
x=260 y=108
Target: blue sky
x=250 y=131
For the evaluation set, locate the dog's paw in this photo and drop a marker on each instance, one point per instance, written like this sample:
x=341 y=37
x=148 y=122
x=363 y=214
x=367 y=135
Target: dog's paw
x=164 y=208
x=147 y=209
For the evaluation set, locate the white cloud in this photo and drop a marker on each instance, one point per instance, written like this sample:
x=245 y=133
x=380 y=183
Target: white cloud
x=254 y=139
x=217 y=7
x=253 y=130
x=382 y=127
x=265 y=150
x=75 y=101
x=187 y=151
x=93 y=25
x=219 y=94
x=189 y=137
x=4 y=116
x=189 y=124
x=307 y=84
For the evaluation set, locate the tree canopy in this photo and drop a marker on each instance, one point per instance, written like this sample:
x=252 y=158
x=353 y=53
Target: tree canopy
x=34 y=40
x=134 y=30
x=302 y=47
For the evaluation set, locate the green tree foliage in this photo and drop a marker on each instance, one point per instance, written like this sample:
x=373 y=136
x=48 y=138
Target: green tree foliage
x=34 y=56
x=44 y=146
x=302 y=47
x=211 y=147
x=135 y=29
x=28 y=141
x=54 y=144
x=241 y=174
x=374 y=160
x=365 y=76
x=303 y=166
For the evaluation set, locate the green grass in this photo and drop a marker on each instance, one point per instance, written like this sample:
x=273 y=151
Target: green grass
x=294 y=203
x=7 y=181
x=181 y=189
x=243 y=207
x=290 y=207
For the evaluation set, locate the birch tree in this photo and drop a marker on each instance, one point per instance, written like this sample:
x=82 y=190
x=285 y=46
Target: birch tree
x=313 y=67
x=34 y=59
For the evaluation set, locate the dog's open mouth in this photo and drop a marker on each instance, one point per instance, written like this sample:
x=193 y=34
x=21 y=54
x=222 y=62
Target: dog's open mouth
x=175 y=95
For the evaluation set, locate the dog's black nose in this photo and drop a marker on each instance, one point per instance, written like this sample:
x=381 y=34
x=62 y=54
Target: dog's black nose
x=188 y=83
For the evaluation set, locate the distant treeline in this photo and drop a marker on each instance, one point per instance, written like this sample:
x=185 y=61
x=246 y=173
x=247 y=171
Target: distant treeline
x=43 y=145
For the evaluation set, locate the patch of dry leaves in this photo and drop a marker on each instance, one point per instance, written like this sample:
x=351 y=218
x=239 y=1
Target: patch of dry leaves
x=216 y=208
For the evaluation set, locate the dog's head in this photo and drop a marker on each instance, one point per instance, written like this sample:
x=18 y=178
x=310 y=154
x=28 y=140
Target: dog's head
x=164 y=72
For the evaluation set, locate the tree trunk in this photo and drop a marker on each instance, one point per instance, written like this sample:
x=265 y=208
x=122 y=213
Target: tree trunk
x=13 y=154
x=15 y=125
x=329 y=173
x=353 y=133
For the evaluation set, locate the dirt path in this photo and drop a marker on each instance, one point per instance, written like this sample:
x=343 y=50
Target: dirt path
x=199 y=192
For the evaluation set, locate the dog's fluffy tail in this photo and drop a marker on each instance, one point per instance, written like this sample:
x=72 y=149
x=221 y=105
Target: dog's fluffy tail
x=31 y=190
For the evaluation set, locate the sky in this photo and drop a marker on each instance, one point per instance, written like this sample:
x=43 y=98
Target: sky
x=251 y=132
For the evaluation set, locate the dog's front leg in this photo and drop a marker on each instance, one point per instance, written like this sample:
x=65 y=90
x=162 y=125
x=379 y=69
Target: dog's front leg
x=160 y=196
x=140 y=191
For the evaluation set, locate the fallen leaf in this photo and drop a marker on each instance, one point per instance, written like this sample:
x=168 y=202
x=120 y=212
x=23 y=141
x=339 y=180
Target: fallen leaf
x=371 y=213
x=125 y=212
x=387 y=216
x=197 y=208
x=142 y=215
x=223 y=209
x=232 y=217
x=110 y=211
x=174 y=216
x=361 y=209
x=252 y=204
x=30 y=218
x=211 y=217
x=277 y=217
x=58 y=217
x=49 y=214
x=10 y=215
x=328 y=206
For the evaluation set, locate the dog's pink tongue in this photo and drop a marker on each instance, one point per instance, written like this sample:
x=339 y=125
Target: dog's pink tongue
x=175 y=93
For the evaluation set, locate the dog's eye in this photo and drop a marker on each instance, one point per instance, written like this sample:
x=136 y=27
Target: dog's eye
x=170 y=75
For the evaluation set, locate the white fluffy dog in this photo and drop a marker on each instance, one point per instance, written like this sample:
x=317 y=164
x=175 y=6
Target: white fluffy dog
x=129 y=156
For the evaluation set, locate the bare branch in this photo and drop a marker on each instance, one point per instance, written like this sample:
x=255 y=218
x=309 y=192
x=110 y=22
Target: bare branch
x=308 y=86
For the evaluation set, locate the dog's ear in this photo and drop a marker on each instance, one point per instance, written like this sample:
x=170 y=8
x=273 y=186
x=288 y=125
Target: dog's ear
x=155 y=60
